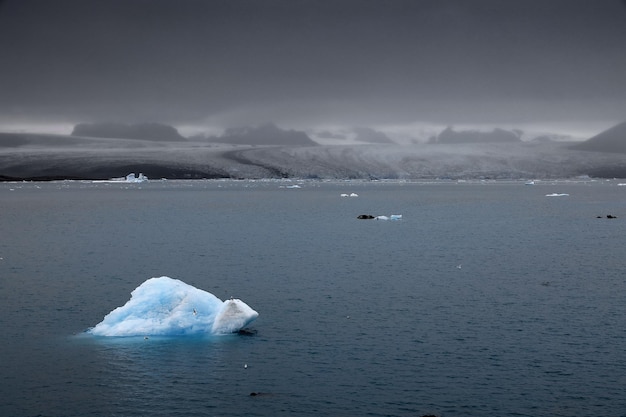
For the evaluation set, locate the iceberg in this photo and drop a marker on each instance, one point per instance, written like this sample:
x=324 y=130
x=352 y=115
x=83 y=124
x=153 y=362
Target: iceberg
x=130 y=178
x=165 y=306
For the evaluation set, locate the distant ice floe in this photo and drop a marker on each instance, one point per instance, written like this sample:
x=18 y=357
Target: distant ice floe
x=130 y=178
x=350 y=195
x=370 y=217
x=392 y=217
x=557 y=195
x=165 y=306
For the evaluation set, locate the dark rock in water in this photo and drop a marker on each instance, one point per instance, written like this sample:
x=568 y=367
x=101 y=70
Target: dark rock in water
x=610 y=216
x=257 y=394
x=365 y=217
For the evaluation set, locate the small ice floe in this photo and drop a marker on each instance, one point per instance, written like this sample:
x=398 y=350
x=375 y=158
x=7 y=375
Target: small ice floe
x=293 y=186
x=130 y=178
x=557 y=195
x=370 y=217
x=622 y=184
x=529 y=183
x=139 y=178
x=349 y=195
x=392 y=217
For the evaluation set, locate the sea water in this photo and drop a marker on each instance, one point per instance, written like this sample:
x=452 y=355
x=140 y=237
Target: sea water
x=484 y=299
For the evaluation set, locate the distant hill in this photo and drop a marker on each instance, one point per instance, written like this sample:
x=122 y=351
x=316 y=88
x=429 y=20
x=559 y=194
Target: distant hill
x=365 y=134
x=268 y=134
x=43 y=140
x=331 y=135
x=542 y=139
x=12 y=140
x=611 y=140
x=144 y=131
x=449 y=135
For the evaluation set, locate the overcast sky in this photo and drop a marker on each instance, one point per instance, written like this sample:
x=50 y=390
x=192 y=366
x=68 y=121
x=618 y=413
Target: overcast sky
x=306 y=63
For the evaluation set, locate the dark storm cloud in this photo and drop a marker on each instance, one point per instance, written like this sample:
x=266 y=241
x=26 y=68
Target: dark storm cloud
x=180 y=61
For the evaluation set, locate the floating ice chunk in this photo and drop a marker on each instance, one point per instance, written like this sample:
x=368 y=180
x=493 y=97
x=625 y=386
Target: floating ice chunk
x=130 y=178
x=556 y=195
x=169 y=307
x=233 y=316
x=354 y=195
x=392 y=217
x=345 y=195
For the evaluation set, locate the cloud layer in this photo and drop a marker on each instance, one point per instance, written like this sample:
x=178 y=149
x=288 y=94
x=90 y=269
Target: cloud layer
x=303 y=62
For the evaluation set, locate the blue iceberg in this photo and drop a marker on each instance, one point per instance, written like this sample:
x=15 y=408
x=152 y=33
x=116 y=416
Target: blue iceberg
x=168 y=307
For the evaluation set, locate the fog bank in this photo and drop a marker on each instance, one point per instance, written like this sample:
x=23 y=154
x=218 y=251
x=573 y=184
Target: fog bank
x=30 y=156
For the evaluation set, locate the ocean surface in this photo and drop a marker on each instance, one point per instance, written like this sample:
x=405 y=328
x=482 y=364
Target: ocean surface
x=485 y=299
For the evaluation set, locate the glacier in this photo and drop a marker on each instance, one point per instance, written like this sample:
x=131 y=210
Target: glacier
x=165 y=306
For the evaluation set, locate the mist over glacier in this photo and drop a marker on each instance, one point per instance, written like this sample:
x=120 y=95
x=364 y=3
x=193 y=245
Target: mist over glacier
x=506 y=161
x=45 y=157
x=169 y=307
